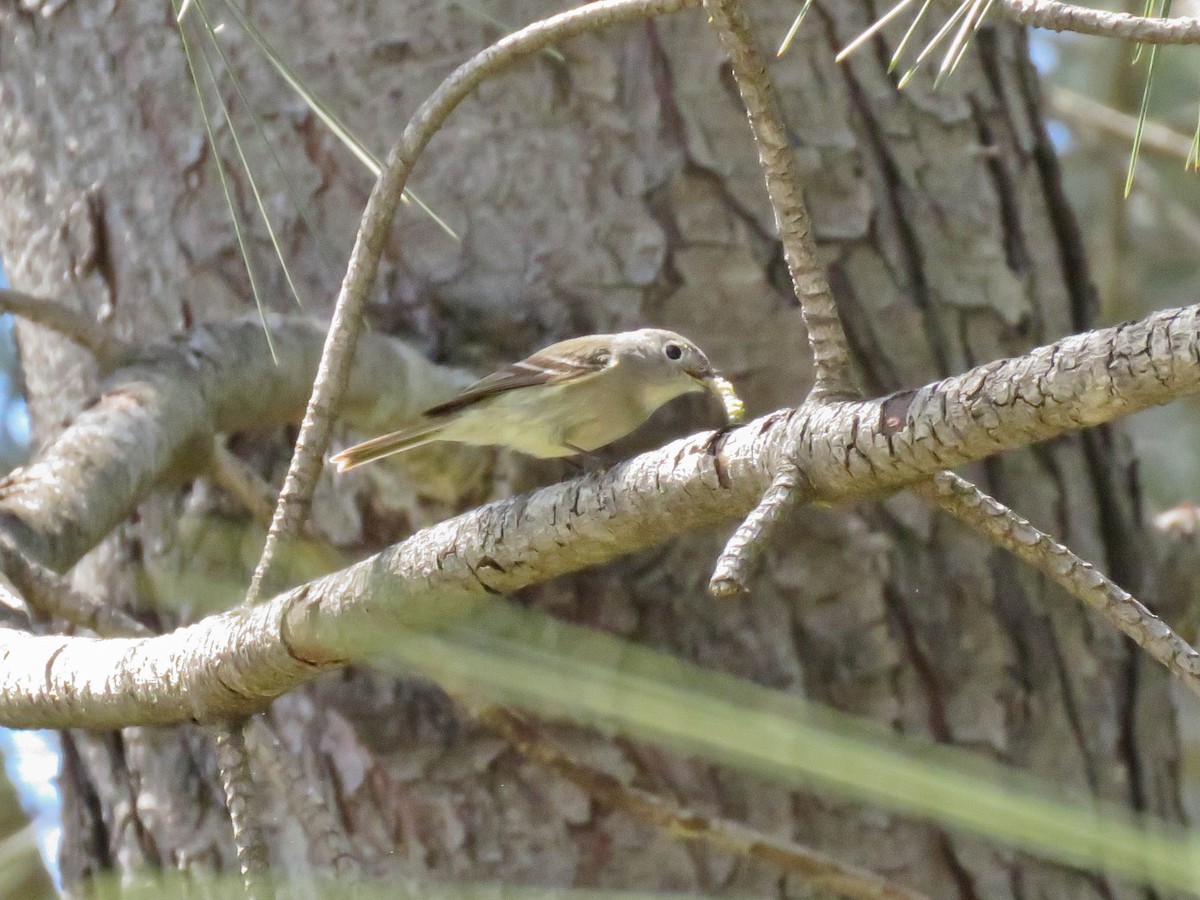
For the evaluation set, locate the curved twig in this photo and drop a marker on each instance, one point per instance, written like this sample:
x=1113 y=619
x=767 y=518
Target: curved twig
x=108 y=350
x=338 y=352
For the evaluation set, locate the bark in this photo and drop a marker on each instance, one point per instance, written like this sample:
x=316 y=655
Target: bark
x=615 y=187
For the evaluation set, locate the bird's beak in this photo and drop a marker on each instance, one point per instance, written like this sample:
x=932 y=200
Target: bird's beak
x=709 y=380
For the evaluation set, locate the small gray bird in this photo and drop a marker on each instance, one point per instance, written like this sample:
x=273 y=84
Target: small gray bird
x=570 y=398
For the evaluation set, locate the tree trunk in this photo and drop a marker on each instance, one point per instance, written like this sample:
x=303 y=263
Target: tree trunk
x=611 y=185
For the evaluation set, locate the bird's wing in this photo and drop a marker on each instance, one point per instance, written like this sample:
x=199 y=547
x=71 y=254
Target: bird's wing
x=569 y=360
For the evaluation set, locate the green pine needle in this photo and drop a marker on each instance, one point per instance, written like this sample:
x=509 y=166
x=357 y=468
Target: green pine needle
x=1144 y=109
x=322 y=111
x=225 y=186
x=1147 y=12
x=1193 y=157
x=912 y=29
x=962 y=40
x=937 y=39
x=237 y=143
x=872 y=29
x=794 y=30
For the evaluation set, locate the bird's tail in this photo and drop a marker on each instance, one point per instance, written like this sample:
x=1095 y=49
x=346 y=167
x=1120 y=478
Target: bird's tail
x=386 y=445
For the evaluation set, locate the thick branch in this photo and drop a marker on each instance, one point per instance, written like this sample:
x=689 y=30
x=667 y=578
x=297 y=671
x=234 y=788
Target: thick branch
x=236 y=662
x=860 y=449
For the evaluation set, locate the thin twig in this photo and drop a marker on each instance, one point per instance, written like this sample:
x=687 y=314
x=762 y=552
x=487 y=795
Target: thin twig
x=831 y=351
x=50 y=595
x=1058 y=16
x=833 y=367
x=327 y=841
x=1080 y=578
x=338 y=352
x=107 y=348
x=822 y=873
x=1089 y=114
x=233 y=763
x=231 y=474
x=731 y=573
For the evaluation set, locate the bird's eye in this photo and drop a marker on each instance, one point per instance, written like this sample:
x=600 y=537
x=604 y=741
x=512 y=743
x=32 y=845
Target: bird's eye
x=673 y=351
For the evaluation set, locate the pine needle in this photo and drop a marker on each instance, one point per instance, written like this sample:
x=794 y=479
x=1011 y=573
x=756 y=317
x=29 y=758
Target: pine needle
x=322 y=242
x=233 y=214
x=322 y=111
x=937 y=39
x=1145 y=106
x=1193 y=157
x=912 y=29
x=237 y=143
x=983 y=15
x=962 y=39
x=1147 y=12
x=869 y=32
x=795 y=29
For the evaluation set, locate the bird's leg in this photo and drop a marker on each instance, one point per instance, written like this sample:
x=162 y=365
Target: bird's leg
x=584 y=461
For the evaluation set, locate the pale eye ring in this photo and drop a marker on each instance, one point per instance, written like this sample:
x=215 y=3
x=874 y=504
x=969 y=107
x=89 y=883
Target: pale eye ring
x=673 y=351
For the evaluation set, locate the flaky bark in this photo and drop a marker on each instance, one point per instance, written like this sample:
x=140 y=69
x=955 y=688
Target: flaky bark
x=638 y=199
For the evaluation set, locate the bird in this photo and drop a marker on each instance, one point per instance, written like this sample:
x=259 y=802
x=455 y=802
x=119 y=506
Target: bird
x=567 y=399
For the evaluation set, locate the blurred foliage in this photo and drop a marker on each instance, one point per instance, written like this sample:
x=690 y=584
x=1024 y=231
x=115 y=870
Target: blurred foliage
x=168 y=885
x=495 y=652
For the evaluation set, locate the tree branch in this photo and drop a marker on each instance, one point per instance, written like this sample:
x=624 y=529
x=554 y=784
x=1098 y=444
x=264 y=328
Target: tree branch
x=51 y=595
x=236 y=662
x=831 y=351
x=834 y=374
x=731 y=574
x=108 y=350
x=233 y=764
x=1058 y=16
x=1078 y=577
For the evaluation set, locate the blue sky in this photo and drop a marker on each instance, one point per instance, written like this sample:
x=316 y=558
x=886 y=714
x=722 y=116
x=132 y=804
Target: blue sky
x=31 y=757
